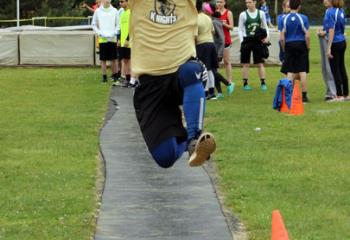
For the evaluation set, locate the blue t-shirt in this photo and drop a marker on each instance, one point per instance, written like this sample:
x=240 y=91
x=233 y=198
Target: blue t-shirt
x=265 y=9
x=335 y=19
x=280 y=19
x=295 y=25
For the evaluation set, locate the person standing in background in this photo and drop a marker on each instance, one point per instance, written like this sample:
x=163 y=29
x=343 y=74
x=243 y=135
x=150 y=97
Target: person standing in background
x=124 y=43
x=265 y=8
x=295 y=40
x=280 y=19
x=93 y=7
x=227 y=22
x=219 y=42
x=205 y=48
x=331 y=91
x=335 y=28
x=251 y=22
x=105 y=23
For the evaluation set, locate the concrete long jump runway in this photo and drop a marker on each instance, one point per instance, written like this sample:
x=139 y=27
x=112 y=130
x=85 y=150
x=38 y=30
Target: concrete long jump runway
x=142 y=201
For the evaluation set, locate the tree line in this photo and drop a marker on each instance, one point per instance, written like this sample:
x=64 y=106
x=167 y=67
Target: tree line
x=34 y=8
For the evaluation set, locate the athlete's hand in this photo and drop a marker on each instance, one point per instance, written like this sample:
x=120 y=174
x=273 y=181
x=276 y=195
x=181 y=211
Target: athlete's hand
x=329 y=54
x=118 y=43
x=265 y=40
x=321 y=33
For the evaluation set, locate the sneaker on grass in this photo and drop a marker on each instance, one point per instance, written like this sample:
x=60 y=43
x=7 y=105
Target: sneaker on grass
x=263 y=87
x=230 y=88
x=247 y=88
x=220 y=96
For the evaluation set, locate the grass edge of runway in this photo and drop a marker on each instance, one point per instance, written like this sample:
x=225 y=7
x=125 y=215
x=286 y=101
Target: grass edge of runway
x=296 y=164
x=50 y=122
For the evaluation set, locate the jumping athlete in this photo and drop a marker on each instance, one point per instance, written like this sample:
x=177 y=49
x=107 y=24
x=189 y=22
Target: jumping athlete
x=162 y=33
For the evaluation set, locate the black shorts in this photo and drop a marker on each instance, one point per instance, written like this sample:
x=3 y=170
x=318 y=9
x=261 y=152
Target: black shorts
x=206 y=52
x=296 y=57
x=156 y=103
x=108 y=51
x=248 y=46
x=124 y=53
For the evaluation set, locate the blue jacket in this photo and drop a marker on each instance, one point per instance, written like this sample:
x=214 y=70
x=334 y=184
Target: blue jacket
x=287 y=85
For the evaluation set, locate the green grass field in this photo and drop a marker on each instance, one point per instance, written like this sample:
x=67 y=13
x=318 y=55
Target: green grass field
x=297 y=164
x=50 y=120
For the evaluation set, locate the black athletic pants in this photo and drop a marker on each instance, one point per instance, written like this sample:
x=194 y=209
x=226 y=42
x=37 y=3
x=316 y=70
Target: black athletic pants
x=338 y=68
x=218 y=79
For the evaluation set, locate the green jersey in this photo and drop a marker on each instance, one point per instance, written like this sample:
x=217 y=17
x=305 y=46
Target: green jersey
x=252 y=24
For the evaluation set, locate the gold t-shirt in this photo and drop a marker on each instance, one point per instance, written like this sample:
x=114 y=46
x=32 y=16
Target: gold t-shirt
x=162 y=34
x=205 y=29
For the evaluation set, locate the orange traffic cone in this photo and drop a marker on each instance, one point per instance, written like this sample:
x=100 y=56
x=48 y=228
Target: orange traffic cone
x=278 y=230
x=297 y=107
x=284 y=106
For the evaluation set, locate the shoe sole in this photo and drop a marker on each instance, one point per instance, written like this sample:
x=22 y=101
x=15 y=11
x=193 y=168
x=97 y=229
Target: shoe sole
x=204 y=148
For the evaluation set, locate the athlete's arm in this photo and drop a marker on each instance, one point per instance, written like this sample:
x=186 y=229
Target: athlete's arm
x=264 y=24
x=331 y=23
x=241 y=29
x=330 y=41
x=117 y=25
x=94 y=23
x=283 y=40
x=229 y=24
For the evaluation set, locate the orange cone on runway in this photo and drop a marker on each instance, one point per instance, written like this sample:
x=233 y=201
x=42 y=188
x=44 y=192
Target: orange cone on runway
x=284 y=106
x=297 y=107
x=278 y=230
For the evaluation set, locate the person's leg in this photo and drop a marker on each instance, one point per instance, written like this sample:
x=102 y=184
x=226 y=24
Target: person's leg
x=193 y=98
x=227 y=64
x=104 y=70
x=230 y=86
x=217 y=82
x=344 y=75
x=262 y=75
x=245 y=74
x=303 y=79
x=168 y=152
x=334 y=62
x=246 y=49
x=211 y=85
x=114 y=67
x=258 y=59
x=190 y=89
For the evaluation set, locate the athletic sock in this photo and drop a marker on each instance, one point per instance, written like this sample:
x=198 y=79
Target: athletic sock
x=262 y=80
x=304 y=94
x=104 y=77
x=245 y=82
